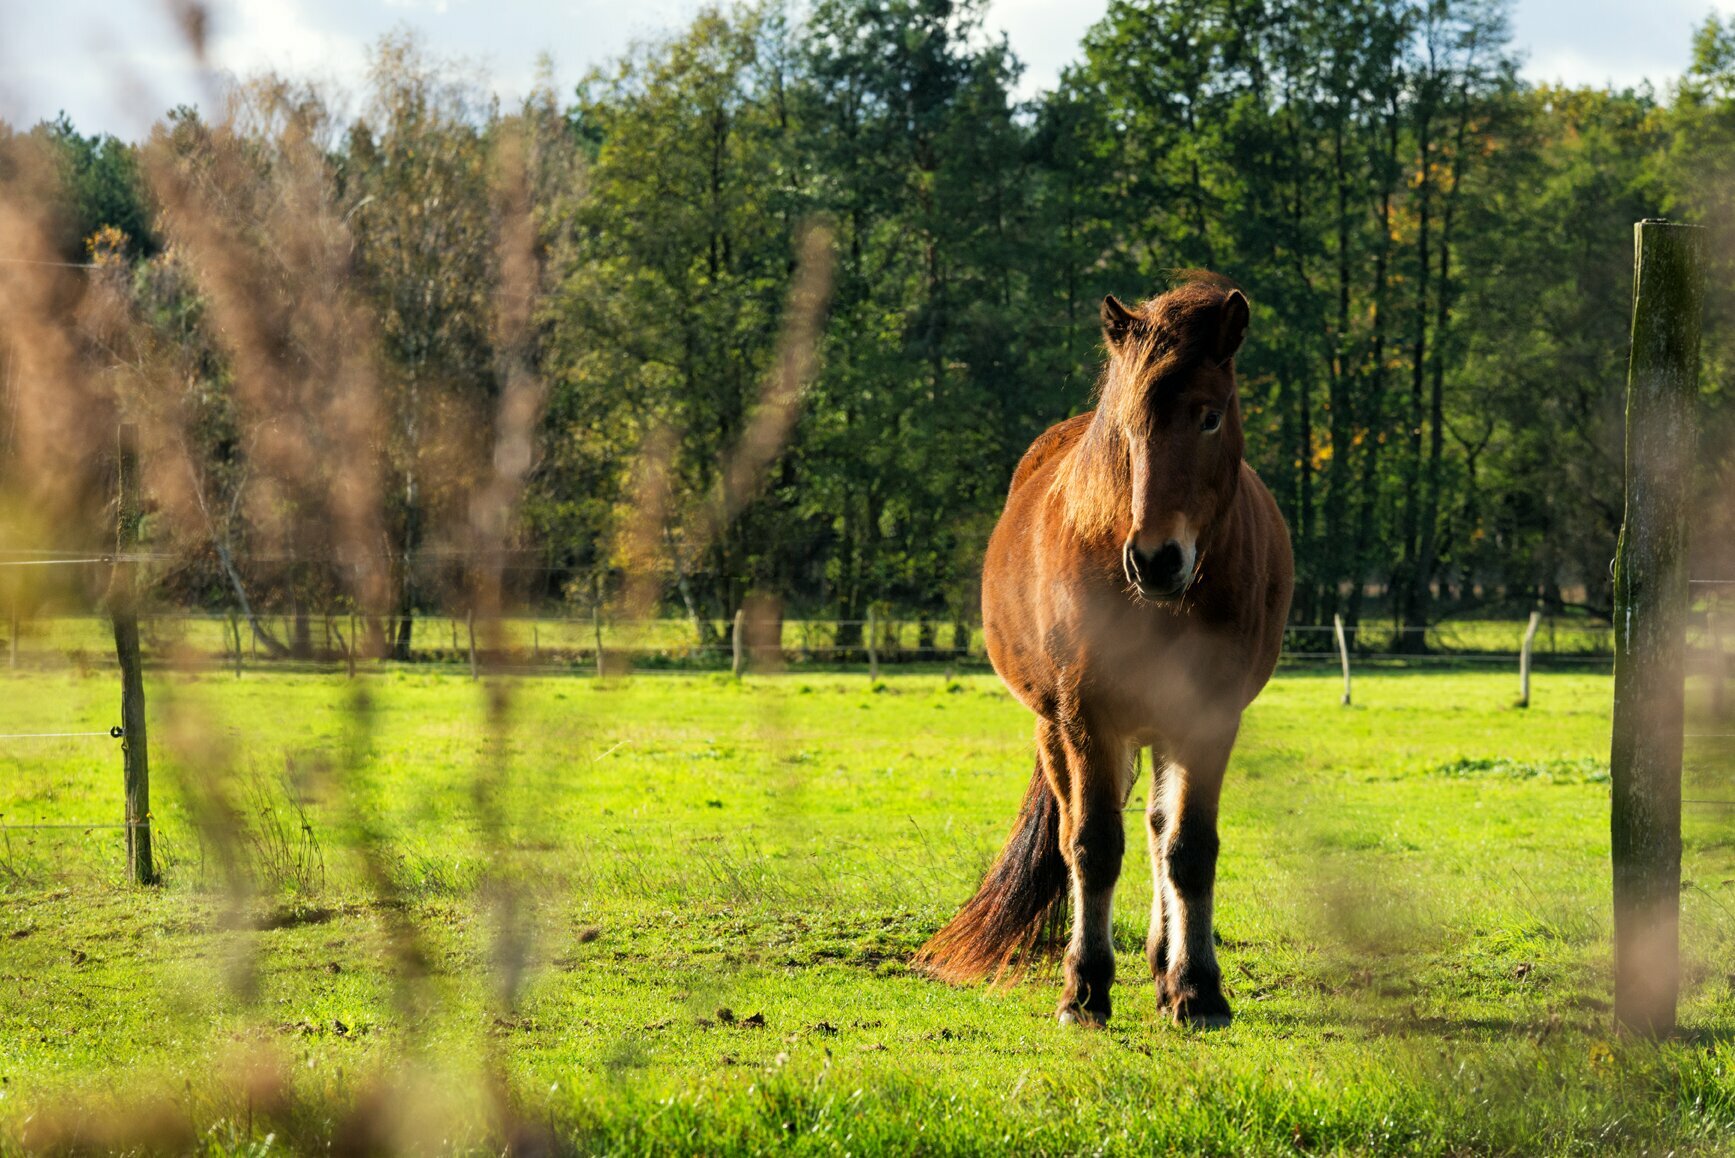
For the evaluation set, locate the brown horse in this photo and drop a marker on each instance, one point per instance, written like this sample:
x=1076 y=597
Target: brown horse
x=1134 y=593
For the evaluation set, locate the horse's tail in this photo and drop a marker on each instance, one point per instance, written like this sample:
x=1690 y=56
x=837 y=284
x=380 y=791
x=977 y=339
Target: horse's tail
x=1019 y=910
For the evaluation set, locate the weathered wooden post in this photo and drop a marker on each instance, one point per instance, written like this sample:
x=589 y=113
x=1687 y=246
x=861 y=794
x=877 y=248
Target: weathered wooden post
x=1524 y=659
x=873 y=648
x=123 y=609
x=1719 y=664
x=1650 y=625
x=1342 y=654
x=470 y=628
x=735 y=662
x=596 y=631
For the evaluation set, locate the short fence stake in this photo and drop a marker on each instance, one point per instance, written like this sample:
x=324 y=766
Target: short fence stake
x=1524 y=659
x=470 y=627
x=735 y=663
x=596 y=632
x=1719 y=668
x=1650 y=625
x=1342 y=654
x=873 y=629
x=123 y=608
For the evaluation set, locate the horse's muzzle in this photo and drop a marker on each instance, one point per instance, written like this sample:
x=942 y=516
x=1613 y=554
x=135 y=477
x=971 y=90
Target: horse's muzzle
x=1158 y=575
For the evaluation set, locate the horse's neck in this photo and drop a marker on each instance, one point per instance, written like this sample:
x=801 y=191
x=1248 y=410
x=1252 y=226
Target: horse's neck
x=1095 y=484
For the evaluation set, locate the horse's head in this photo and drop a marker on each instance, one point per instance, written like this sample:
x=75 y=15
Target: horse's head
x=1170 y=390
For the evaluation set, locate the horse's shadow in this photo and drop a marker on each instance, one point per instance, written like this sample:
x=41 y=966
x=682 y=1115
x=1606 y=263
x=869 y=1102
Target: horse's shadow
x=1558 y=1024
x=1376 y=1023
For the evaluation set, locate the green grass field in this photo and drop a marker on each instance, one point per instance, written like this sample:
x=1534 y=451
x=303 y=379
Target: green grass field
x=673 y=913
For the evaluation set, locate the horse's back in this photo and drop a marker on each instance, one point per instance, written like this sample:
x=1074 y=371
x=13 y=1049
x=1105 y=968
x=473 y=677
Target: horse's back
x=1050 y=445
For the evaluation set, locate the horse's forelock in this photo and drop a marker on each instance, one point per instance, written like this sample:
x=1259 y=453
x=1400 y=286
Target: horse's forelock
x=1175 y=331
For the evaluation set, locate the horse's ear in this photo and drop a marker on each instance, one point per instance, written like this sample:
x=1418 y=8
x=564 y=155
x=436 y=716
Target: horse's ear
x=1118 y=322
x=1232 y=325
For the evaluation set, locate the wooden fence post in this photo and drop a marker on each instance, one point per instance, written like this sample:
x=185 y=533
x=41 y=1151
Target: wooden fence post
x=354 y=639
x=470 y=628
x=1650 y=625
x=123 y=608
x=1342 y=654
x=596 y=631
x=873 y=650
x=1719 y=664
x=235 y=626
x=735 y=662
x=1524 y=659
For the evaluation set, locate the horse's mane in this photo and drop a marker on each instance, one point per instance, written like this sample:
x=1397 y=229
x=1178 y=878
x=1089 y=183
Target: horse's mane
x=1173 y=331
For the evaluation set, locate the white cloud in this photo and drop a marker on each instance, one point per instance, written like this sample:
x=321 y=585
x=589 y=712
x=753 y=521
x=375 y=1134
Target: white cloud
x=258 y=35
x=1577 y=68
x=1044 y=34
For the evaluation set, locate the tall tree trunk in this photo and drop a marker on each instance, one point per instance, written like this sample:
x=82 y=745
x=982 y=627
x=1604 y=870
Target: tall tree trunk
x=1428 y=550
x=1367 y=488
x=1341 y=467
x=1412 y=581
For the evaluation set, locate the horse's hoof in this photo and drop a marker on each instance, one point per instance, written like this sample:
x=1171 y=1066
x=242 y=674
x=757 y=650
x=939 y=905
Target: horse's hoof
x=1201 y=1012
x=1204 y=1020
x=1196 y=1006
x=1078 y=1015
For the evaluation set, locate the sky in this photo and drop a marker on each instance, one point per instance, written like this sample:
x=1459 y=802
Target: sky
x=115 y=65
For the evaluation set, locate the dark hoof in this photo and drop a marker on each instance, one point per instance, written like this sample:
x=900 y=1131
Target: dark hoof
x=1185 y=1017
x=1195 y=1007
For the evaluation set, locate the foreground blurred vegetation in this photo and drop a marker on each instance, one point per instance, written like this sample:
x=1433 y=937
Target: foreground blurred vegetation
x=719 y=884
x=1437 y=253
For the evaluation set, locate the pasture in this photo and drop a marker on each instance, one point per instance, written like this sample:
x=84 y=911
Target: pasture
x=710 y=890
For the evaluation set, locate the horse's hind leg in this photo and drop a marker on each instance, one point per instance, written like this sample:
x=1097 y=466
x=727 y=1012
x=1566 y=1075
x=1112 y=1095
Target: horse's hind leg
x=1091 y=784
x=1190 y=988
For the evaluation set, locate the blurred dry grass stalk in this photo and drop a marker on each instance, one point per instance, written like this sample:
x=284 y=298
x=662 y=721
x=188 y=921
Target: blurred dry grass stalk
x=251 y=221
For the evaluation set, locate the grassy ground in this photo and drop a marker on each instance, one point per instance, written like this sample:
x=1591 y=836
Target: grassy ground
x=680 y=921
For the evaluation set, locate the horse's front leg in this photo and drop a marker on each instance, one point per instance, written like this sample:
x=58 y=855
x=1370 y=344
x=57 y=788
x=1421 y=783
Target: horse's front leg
x=1156 y=831
x=1190 y=984
x=1090 y=776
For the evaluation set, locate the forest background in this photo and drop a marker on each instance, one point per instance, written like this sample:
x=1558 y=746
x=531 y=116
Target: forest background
x=1437 y=251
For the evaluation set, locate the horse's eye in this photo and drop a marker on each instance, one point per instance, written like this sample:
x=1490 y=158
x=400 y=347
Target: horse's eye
x=1213 y=419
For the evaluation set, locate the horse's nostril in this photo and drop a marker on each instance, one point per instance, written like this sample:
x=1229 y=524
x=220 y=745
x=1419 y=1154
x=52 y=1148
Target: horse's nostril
x=1160 y=569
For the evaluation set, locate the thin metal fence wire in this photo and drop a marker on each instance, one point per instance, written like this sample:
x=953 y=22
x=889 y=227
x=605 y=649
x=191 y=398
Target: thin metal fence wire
x=114 y=733
x=122 y=824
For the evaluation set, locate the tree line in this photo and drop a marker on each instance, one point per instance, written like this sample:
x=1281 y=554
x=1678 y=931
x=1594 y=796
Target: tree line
x=1436 y=250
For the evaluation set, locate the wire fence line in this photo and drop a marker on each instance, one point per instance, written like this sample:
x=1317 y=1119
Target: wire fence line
x=566 y=643
x=113 y=733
